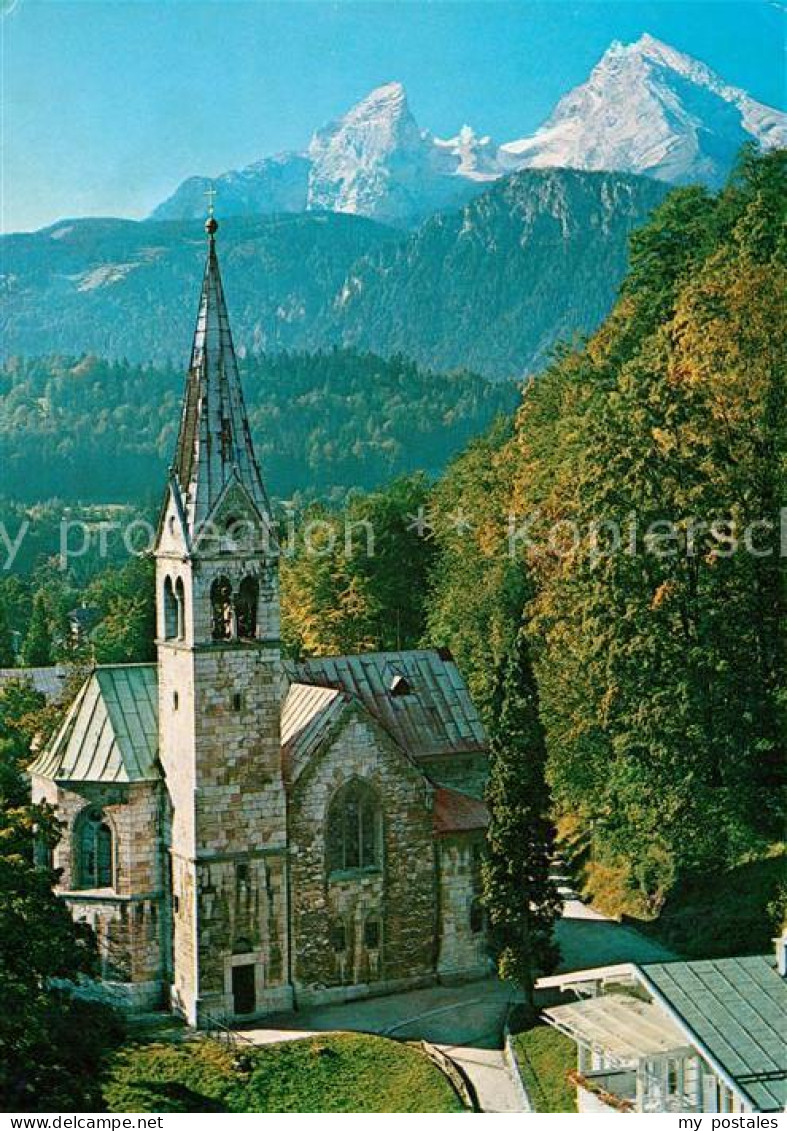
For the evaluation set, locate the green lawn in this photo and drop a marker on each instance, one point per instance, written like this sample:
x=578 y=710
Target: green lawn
x=544 y=1057
x=335 y=1072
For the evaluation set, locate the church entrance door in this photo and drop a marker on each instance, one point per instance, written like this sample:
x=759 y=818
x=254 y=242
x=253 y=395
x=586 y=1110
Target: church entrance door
x=243 y=993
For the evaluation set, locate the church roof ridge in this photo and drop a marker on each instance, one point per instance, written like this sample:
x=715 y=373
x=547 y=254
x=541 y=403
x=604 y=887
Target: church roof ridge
x=125 y=664
x=432 y=715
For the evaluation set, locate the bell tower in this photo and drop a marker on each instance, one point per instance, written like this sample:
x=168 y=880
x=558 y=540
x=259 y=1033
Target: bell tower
x=220 y=689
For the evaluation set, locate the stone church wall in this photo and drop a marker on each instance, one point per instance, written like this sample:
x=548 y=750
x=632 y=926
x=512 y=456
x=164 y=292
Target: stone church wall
x=463 y=942
x=465 y=772
x=229 y=835
x=401 y=896
x=130 y=918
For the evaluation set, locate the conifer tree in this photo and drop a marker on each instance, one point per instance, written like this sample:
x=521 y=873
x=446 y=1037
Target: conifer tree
x=37 y=648
x=520 y=897
x=7 y=656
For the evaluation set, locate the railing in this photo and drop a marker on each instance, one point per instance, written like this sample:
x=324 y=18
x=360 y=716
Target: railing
x=598 y=1086
x=218 y=1030
x=618 y=1090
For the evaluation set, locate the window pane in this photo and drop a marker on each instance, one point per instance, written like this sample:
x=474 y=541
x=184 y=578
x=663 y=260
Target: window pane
x=335 y=838
x=352 y=826
x=104 y=857
x=369 y=835
x=353 y=829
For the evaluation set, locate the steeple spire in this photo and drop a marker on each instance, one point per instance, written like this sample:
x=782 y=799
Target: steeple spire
x=214 y=443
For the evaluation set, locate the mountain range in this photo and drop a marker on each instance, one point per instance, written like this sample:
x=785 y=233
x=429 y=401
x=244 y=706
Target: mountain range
x=490 y=286
x=646 y=108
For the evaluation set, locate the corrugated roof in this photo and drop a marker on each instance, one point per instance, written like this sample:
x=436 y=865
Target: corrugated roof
x=455 y=812
x=48 y=681
x=435 y=716
x=307 y=715
x=111 y=731
x=623 y=1027
x=737 y=1008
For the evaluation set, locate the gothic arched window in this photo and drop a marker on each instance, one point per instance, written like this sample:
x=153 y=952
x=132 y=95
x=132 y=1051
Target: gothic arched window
x=180 y=602
x=246 y=608
x=222 y=614
x=94 y=850
x=170 y=611
x=354 y=831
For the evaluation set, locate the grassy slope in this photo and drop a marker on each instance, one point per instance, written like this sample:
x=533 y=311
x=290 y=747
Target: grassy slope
x=336 y=1072
x=732 y=912
x=714 y=915
x=544 y=1057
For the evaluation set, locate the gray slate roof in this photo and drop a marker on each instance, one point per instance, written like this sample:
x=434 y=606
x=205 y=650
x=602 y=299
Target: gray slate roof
x=737 y=1008
x=111 y=731
x=434 y=716
x=49 y=681
x=214 y=443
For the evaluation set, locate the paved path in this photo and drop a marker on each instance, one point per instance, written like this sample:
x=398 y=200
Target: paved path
x=465 y=1021
x=587 y=938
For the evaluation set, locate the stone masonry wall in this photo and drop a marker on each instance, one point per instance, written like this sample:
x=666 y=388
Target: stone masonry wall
x=130 y=917
x=402 y=895
x=463 y=950
x=220 y=705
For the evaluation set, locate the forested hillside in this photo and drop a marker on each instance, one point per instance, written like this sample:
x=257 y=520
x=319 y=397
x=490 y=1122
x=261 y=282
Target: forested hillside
x=490 y=287
x=535 y=260
x=659 y=637
x=93 y=430
x=126 y=290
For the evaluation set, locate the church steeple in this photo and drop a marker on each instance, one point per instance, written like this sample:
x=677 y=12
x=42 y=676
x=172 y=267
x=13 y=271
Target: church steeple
x=214 y=443
x=220 y=681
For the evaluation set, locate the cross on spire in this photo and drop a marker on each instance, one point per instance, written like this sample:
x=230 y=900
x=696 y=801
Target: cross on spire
x=211 y=194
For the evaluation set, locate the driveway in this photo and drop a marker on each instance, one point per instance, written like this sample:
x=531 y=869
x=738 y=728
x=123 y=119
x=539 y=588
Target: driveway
x=587 y=938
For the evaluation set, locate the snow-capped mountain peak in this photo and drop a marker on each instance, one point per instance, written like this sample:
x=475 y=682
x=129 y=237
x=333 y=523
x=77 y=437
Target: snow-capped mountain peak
x=648 y=108
x=377 y=161
x=645 y=108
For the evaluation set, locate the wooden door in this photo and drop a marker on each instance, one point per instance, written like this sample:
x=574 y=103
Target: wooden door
x=243 y=991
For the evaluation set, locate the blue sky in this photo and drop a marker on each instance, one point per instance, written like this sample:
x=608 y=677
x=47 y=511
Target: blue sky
x=108 y=104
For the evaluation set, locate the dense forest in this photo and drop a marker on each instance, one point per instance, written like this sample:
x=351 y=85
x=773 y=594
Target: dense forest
x=648 y=472
x=96 y=431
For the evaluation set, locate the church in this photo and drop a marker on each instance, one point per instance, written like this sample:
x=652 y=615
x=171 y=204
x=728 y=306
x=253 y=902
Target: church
x=248 y=834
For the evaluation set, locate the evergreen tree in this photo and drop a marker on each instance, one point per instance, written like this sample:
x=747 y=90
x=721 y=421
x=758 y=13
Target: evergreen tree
x=37 y=648
x=42 y=1066
x=519 y=895
x=7 y=655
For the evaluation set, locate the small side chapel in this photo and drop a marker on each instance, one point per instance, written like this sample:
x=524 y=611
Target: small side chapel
x=246 y=834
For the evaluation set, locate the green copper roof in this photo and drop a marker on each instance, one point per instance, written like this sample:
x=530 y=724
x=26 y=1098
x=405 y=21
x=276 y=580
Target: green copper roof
x=736 y=1009
x=111 y=732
